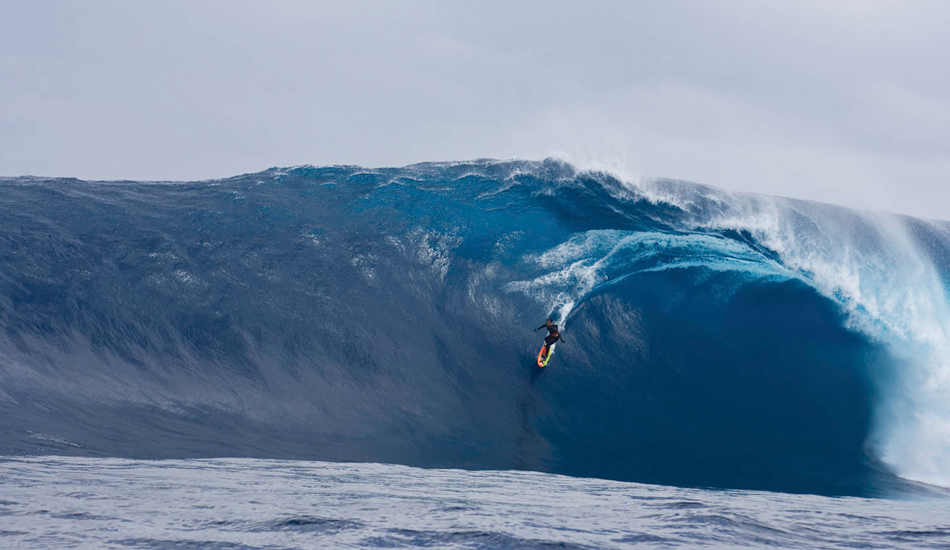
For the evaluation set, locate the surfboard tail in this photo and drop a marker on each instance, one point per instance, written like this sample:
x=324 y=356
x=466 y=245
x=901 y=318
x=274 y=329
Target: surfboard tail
x=544 y=356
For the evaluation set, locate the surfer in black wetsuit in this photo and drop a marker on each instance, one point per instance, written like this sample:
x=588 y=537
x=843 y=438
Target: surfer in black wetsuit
x=553 y=335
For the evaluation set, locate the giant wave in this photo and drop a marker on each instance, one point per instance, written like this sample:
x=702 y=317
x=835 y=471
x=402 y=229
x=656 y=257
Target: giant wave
x=353 y=314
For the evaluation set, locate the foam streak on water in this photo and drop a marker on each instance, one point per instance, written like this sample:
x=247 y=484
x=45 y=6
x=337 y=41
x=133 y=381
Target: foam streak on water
x=57 y=502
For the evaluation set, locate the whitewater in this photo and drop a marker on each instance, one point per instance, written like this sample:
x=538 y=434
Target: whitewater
x=727 y=349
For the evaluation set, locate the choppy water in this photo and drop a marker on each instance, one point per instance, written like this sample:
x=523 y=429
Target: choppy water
x=68 y=502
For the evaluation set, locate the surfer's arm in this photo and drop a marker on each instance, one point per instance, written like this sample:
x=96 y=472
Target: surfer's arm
x=541 y=327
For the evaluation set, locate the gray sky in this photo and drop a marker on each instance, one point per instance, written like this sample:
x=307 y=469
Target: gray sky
x=840 y=101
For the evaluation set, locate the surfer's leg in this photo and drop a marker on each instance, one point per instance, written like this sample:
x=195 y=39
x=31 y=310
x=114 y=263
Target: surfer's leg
x=548 y=340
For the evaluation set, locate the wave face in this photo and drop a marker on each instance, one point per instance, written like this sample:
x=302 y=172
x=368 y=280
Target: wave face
x=352 y=314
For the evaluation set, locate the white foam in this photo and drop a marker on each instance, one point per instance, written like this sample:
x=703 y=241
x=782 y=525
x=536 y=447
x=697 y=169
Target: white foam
x=598 y=257
x=869 y=263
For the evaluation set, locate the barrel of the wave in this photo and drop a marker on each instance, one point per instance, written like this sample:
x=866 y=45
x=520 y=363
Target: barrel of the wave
x=543 y=357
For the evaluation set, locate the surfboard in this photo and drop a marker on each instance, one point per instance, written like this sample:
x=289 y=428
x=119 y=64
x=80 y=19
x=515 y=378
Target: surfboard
x=543 y=359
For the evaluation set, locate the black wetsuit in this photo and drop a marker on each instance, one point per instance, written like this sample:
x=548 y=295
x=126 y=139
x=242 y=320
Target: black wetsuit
x=553 y=334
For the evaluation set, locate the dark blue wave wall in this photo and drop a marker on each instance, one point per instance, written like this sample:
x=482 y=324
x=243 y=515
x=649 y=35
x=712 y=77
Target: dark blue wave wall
x=385 y=315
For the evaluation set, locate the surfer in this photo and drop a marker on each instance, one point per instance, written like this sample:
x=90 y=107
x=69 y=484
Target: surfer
x=553 y=334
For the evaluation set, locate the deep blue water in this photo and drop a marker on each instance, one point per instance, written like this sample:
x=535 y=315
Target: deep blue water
x=386 y=315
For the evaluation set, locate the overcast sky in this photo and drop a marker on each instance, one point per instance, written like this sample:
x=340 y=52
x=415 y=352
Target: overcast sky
x=840 y=101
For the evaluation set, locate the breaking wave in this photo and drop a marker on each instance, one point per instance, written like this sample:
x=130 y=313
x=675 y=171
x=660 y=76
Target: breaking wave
x=344 y=313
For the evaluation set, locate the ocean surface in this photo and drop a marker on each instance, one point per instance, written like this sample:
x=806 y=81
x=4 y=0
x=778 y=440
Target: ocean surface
x=725 y=342
x=74 y=502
